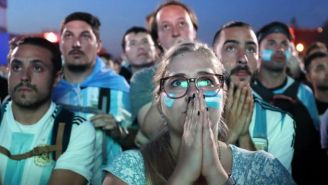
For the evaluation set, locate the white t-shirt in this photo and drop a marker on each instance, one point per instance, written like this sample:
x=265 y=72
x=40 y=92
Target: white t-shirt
x=280 y=133
x=19 y=138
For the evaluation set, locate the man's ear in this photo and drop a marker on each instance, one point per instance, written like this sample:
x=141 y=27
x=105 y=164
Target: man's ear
x=99 y=46
x=57 y=77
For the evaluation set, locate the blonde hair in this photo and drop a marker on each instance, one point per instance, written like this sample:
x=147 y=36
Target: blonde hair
x=158 y=155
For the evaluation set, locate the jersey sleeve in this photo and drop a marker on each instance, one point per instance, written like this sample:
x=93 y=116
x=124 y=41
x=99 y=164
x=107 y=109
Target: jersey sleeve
x=79 y=155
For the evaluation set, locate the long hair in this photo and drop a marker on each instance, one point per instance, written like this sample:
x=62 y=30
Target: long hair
x=158 y=155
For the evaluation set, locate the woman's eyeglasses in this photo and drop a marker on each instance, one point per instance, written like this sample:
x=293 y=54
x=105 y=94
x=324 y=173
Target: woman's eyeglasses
x=177 y=86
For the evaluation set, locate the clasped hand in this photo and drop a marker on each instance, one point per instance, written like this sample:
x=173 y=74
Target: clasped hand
x=199 y=150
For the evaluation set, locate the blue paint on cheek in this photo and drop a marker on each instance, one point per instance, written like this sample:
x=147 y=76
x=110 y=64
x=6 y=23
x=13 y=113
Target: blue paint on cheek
x=213 y=102
x=288 y=54
x=266 y=55
x=168 y=101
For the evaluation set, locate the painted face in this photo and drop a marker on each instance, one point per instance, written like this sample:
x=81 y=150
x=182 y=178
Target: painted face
x=190 y=66
x=318 y=73
x=139 y=49
x=79 y=45
x=174 y=26
x=275 y=51
x=30 y=77
x=237 y=48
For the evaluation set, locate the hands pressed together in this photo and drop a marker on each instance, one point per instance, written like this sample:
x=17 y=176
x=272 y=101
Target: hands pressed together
x=198 y=155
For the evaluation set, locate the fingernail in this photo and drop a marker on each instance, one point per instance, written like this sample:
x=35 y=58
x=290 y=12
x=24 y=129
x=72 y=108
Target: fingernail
x=189 y=99
x=198 y=113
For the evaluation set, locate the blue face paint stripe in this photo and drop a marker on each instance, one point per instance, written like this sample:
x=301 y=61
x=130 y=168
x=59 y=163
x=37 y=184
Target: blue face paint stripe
x=213 y=102
x=266 y=55
x=168 y=101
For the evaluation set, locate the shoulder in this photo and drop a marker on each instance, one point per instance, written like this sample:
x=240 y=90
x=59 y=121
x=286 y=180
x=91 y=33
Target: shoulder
x=143 y=74
x=258 y=167
x=128 y=166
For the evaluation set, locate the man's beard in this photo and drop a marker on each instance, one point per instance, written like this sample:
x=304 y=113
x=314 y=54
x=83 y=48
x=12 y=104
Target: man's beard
x=275 y=68
x=78 y=68
x=31 y=104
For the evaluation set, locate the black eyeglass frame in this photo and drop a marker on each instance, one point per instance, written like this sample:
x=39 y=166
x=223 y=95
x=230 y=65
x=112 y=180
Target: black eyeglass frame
x=220 y=77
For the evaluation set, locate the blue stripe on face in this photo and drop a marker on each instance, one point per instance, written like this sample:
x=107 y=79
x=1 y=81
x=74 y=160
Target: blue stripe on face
x=288 y=54
x=266 y=55
x=168 y=101
x=213 y=102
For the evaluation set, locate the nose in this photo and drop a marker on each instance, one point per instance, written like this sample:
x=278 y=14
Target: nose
x=26 y=75
x=192 y=89
x=175 y=31
x=242 y=59
x=76 y=43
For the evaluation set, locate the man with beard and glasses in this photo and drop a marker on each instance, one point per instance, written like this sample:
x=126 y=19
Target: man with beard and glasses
x=91 y=89
x=316 y=66
x=29 y=120
x=253 y=124
x=273 y=85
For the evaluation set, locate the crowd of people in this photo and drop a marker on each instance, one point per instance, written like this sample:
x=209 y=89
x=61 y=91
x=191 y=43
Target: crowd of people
x=172 y=110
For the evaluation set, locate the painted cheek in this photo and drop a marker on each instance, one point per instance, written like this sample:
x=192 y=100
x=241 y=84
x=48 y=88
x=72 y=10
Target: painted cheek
x=266 y=55
x=169 y=102
x=214 y=102
x=288 y=54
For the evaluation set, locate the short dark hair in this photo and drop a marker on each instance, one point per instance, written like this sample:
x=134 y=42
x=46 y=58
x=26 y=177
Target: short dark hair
x=153 y=23
x=315 y=45
x=90 y=19
x=308 y=60
x=231 y=24
x=40 y=42
x=274 y=27
x=134 y=29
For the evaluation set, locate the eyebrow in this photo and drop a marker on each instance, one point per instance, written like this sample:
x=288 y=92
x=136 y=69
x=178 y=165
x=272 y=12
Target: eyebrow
x=237 y=42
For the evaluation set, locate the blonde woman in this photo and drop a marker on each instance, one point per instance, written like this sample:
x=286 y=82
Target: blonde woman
x=190 y=96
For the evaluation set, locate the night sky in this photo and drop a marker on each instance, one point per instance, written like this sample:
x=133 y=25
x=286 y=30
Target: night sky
x=33 y=16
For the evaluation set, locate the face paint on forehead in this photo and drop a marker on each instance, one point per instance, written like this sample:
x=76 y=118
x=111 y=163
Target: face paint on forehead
x=214 y=101
x=169 y=102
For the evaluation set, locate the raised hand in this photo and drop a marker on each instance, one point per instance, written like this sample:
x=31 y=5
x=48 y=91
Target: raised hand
x=238 y=111
x=212 y=169
x=189 y=159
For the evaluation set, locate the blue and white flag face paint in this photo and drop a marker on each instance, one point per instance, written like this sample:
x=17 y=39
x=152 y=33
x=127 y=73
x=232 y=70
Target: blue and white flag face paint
x=214 y=101
x=266 y=55
x=169 y=102
x=288 y=54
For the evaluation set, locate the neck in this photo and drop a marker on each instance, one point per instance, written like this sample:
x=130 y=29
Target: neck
x=77 y=76
x=28 y=116
x=321 y=95
x=271 y=79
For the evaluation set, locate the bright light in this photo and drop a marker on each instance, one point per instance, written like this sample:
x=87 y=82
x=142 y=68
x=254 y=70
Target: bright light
x=299 y=47
x=51 y=36
x=319 y=29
